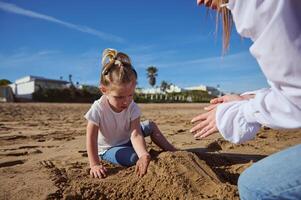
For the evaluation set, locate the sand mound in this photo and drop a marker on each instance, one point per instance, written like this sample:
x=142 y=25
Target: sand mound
x=179 y=175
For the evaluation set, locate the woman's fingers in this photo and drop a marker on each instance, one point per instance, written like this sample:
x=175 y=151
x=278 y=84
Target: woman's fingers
x=210 y=107
x=201 y=132
x=205 y=132
x=207 y=125
x=217 y=100
x=208 y=130
x=199 y=117
x=199 y=126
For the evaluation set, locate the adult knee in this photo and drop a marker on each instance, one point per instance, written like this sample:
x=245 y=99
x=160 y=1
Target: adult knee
x=242 y=186
x=247 y=186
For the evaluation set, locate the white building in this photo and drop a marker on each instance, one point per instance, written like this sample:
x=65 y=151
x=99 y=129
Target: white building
x=156 y=90
x=176 y=89
x=172 y=89
x=23 y=88
x=209 y=89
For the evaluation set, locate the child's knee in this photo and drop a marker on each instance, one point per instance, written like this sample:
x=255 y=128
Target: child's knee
x=153 y=126
x=148 y=127
x=126 y=157
x=133 y=159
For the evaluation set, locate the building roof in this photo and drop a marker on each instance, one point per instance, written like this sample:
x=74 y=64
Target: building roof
x=39 y=78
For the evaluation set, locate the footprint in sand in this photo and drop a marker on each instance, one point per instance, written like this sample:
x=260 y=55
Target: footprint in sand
x=21 y=151
x=47 y=164
x=60 y=178
x=11 y=163
x=84 y=153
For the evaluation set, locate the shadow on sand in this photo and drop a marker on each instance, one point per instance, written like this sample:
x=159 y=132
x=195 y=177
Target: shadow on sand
x=227 y=166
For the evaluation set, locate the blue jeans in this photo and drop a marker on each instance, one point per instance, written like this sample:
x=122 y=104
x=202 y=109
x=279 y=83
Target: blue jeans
x=275 y=177
x=125 y=154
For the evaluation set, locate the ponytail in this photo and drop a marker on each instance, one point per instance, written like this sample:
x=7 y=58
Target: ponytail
x=117 y=68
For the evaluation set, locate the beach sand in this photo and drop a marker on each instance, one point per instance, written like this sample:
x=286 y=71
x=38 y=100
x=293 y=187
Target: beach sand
x=43 y=156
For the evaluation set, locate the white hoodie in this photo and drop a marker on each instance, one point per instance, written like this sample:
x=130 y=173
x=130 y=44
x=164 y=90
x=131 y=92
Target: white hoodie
x=275 y=28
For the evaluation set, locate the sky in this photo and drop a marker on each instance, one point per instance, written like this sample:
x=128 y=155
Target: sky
x=55 y=38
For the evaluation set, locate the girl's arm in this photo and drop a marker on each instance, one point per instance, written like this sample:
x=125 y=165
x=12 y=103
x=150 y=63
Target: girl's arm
x=97 y=170
x=139 y=145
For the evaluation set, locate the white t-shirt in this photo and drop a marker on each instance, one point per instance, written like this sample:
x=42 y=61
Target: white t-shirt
x=275 y=29
x=114 y=128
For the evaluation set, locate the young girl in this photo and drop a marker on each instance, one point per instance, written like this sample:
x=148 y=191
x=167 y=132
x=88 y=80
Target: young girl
x=114 y=131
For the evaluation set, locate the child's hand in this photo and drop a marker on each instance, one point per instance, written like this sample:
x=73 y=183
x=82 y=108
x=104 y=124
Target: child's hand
x=142 y=164
x=98 y=171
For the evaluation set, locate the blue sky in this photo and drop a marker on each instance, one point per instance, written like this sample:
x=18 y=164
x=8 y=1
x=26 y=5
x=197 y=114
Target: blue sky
x=57 y=38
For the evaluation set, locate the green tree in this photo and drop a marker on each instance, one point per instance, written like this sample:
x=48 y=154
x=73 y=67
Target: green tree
x=4 y=82
x=152 y=72
x=164 y=86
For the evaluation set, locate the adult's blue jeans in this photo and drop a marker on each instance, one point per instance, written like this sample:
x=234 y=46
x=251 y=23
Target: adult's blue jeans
x=276 y=177
x=125 y=154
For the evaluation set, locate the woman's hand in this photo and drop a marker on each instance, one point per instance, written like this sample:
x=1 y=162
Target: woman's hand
x=206 y=123
x=230 y=97
x=98 y=171
x=142 y=164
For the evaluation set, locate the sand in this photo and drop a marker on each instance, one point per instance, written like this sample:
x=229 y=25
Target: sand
x=43 y=156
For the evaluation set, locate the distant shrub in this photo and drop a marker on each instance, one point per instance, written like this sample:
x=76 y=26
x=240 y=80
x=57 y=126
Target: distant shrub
x=4 y=82
x=65 y=95
x=181 y=97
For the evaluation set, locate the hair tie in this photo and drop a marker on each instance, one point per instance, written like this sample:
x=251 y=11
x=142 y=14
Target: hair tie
x=118 y=62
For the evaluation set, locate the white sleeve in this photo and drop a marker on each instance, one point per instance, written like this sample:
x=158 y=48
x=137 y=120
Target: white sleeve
x=233 y=124
x=254 y=91
x=239 y=121
x=135 y=111
x=93 y=115
x=274 y=109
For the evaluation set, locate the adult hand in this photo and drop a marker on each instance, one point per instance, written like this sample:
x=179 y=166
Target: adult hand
x=231 y=97
x=98 y=171
x=206 y=123
x=226 y=98
x=142 y=164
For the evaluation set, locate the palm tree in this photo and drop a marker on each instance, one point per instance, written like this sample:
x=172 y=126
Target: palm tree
x=151 y=75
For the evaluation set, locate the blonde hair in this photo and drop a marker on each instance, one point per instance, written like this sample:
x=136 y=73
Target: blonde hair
x=227 y=21
x=116 y=68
